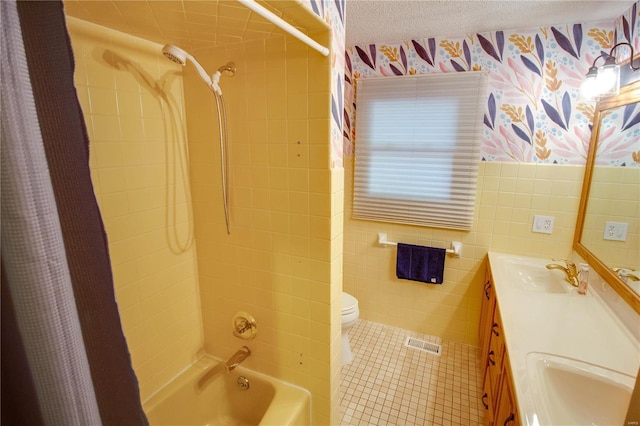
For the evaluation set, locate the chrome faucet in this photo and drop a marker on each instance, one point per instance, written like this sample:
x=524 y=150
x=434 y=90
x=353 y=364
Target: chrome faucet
x=569 y=270
x=235 y=360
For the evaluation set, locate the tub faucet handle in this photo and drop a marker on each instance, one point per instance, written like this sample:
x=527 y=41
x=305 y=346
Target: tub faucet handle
x=244 y=326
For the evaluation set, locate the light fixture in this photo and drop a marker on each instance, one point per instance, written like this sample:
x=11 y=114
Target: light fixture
x=606 y=80
x=589 y=87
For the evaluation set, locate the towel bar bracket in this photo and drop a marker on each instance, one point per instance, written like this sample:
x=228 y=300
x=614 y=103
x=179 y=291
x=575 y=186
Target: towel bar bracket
x=455 y=250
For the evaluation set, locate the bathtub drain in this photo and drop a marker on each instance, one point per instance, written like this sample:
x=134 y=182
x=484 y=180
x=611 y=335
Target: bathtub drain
x=243 y=383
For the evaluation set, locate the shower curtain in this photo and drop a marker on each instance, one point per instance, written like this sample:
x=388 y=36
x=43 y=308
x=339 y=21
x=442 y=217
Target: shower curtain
x=64 y=357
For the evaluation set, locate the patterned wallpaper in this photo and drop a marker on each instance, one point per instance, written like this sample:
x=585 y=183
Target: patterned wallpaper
x=533 y=112
x=333 y=13
x=619 y=138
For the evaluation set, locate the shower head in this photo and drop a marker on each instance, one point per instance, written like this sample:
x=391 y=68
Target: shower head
x=175 y=54
x=179 y=56
x=229 y=69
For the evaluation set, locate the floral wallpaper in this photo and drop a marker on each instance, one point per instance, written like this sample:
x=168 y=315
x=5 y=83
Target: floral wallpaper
x=627 y=28
x=533 y=111
x=619 y=139
x=333 y=13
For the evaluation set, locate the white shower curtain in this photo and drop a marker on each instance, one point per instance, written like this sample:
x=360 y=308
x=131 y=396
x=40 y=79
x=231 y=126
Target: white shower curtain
x=33 y=254
x=65 y=359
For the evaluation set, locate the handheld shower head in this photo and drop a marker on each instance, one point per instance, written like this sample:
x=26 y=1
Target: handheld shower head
x=175 y=54
x=179 y=56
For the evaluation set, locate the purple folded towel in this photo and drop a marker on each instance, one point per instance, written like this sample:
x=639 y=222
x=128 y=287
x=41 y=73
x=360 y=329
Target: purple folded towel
x=418 y=263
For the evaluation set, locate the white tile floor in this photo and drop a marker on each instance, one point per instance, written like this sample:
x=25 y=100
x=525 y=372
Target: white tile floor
x=390 y=384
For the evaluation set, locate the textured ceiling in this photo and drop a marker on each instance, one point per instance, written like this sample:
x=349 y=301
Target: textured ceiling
x=370 y=21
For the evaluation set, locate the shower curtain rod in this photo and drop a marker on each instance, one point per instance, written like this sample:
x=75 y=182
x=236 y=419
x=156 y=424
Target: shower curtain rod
x=269 y=16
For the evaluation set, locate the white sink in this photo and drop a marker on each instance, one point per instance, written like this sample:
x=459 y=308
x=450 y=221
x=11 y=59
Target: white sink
x=570 y=392
x=532 y=275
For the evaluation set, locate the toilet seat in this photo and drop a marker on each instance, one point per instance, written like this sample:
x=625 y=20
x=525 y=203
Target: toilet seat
x=349 y=304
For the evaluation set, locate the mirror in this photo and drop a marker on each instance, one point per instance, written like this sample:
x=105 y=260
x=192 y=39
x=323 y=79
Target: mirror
x=610 y=202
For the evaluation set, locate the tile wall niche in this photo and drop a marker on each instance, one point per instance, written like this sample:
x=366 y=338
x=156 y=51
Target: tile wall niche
x=134 y=109
x=509 y=195
x=282 y=260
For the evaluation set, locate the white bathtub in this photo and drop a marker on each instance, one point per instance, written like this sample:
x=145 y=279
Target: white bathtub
x=205 y=394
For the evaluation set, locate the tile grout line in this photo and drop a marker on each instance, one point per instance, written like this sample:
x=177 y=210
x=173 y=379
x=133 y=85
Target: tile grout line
x=388 y=383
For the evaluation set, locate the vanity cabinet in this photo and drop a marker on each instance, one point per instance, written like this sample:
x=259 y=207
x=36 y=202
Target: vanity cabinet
x=486 y=315
x=506 y=410
x=498 y=398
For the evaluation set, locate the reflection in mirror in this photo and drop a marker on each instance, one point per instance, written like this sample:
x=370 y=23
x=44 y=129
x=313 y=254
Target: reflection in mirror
x=612 y=220
x=608 y=228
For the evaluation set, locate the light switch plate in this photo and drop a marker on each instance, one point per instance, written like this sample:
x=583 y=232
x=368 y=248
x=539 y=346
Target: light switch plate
x=543 y=224
x=615 y=231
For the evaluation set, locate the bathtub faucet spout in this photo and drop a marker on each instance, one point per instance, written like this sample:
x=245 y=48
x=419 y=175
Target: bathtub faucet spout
x=235 y=360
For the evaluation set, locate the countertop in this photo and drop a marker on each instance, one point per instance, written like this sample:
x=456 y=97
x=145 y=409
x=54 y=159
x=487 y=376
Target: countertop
x=580 y=327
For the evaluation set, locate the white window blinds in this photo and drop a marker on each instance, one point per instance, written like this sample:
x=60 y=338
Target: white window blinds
x=418 y=148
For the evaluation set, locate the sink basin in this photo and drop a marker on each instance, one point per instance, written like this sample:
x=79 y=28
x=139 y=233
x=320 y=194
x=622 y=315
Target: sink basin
x=570 y=392
x=533 y=276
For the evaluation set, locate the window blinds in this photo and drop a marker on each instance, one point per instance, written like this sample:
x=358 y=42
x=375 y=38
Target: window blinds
x=418 y=148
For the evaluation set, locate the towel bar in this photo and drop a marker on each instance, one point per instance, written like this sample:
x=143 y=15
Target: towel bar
x=456 y=246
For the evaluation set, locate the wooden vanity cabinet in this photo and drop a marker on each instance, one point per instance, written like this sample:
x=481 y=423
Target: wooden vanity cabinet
x=498 y=398
x=507 y=409
x=486 y=315
x=487 y=400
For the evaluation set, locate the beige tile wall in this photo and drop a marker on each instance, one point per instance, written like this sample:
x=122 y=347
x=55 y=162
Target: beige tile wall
x=134 y=109
x=509 y=195
x=614 y=197
x=282 y=261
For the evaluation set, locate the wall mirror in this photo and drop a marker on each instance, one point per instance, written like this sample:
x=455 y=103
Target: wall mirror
x=608 y=227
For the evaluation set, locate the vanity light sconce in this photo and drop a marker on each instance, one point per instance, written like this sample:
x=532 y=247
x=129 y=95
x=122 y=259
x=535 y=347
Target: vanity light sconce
x=605 y=81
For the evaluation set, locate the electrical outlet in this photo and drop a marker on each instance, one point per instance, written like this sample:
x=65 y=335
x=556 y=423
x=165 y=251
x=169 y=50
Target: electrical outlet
x=543 y=224
x=615 y=231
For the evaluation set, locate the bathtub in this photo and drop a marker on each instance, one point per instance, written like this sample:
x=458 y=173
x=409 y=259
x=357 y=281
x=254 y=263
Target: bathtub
x=205 y=394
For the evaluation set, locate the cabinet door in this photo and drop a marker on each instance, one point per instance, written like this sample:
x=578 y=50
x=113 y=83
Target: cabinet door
x=506 y=407
x=486 y=316
x=495 y=354
x=487 y=400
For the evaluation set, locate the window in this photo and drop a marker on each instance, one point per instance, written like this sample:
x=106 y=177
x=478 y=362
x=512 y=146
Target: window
x=418 y=148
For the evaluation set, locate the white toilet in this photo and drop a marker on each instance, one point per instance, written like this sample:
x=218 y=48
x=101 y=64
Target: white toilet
x=350 y=313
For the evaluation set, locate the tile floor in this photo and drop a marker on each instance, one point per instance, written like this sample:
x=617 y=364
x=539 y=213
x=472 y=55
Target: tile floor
x=390 y=384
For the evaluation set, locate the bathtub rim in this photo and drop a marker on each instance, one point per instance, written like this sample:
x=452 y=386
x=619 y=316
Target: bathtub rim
x=281 y=407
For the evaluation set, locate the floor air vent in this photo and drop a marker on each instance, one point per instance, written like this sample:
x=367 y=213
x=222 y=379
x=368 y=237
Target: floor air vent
x=421 y=345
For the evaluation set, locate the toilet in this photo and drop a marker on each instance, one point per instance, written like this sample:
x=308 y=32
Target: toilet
x=350 y=315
